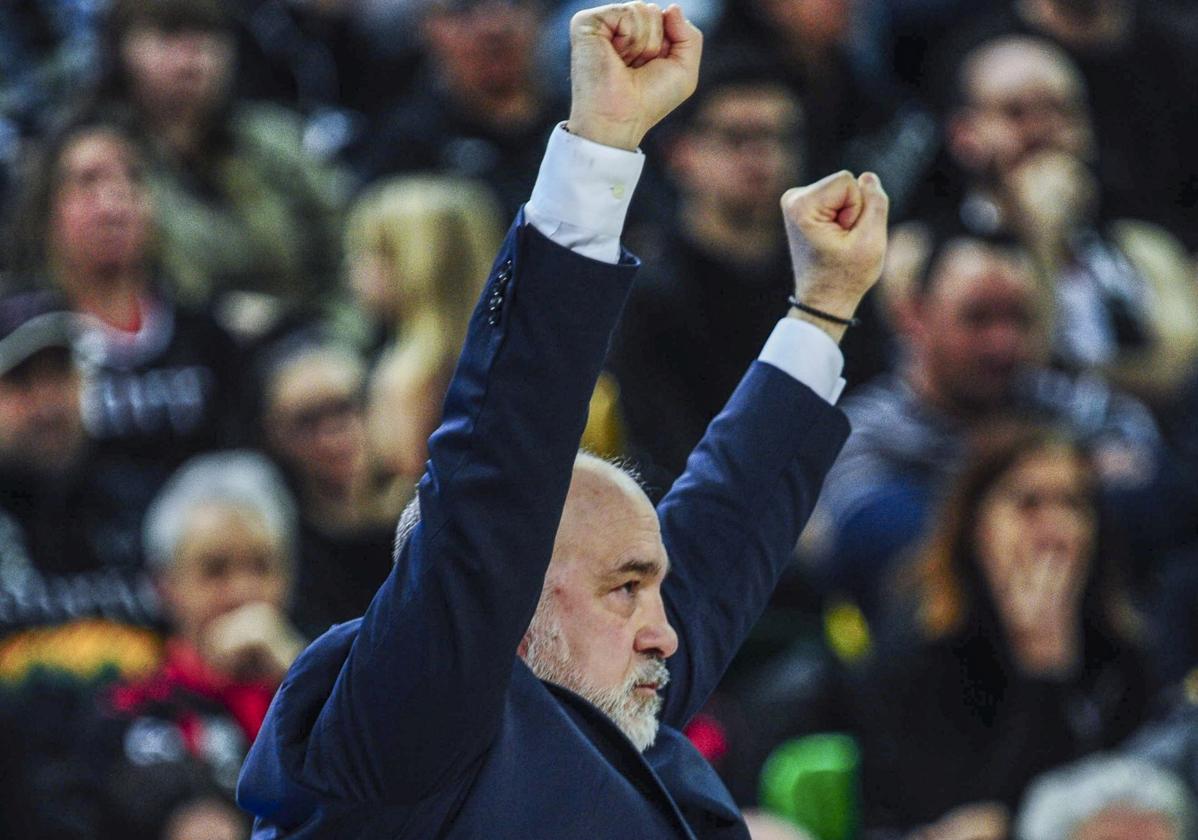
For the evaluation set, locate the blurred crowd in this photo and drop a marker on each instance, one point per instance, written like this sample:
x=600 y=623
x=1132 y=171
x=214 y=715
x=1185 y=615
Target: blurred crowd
x=241 y=245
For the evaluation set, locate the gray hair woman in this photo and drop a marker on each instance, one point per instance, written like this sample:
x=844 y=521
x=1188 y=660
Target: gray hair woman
x=1107 y=797
x=220 y=538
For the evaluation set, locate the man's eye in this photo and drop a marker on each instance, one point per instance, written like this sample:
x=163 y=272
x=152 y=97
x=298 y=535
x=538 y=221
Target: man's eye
x=630 y=587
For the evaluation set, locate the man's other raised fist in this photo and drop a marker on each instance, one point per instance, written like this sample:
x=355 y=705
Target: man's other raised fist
x=631 y=64
x=837 y=233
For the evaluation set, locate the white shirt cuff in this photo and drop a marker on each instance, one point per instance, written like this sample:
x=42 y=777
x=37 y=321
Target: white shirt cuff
x=808 y=354
x=582 y=194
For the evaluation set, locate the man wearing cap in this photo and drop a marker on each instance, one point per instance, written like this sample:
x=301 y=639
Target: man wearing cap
x=545 y=633
x=67 y=550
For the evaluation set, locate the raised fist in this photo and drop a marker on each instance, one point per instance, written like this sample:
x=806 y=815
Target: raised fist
x=630 y=65
x=837 y=233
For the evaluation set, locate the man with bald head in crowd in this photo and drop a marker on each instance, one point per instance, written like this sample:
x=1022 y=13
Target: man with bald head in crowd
x=517 y=679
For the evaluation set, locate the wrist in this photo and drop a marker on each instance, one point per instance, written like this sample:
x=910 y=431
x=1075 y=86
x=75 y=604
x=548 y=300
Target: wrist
x=834 y=302
x=833 y=330
x=618 y=135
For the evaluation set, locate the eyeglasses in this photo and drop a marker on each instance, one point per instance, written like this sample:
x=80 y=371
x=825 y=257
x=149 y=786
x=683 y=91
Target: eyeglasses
x=309 y=419
x=742 y=137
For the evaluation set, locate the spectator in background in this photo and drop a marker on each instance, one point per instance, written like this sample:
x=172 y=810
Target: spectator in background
x=67 y=548
x=1137 y=64
x=1024 y=651
x=241 y=208
x=158 y=755
x=720 y=281
x=479 y=110
x=314 y=425
x=1107 y=797
x=854 y=119
x=1124 y=295
x=47 y=48
x=220 y=539
x=975 y=346
x=418 y=249
x=163 y=382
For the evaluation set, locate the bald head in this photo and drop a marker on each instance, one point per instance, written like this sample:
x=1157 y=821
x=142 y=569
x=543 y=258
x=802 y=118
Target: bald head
x=603 y=499
x=1019 y=95
x=1020 y=63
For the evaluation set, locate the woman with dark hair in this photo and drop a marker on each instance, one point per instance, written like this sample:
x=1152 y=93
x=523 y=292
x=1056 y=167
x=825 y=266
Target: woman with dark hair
x=241 y=207
x=1025 y=653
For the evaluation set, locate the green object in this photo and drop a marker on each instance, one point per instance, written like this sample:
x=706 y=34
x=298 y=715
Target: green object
x=814 y=783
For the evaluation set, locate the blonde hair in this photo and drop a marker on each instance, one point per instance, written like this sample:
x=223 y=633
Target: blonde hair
x=437 y=235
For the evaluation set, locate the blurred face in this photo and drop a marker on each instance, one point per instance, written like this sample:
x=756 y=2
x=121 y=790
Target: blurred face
x=977 y=329
x=41 y=426
x=601 y=629
x=1035 y=535
x=1022 y=100
x=743 y=151
x=100 y=208
x=819 y=23
x=178 y=73
x=1126 y=823
x=225 y=560
x=316 y=422
x=483 y=47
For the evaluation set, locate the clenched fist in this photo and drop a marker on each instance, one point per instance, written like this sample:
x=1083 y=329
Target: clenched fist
x=630 y=65
x=837 y=233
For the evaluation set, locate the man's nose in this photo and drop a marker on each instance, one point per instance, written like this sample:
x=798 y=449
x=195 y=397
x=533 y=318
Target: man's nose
x=656 y=636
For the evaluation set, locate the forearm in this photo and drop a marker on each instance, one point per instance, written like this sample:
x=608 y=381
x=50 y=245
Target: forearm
x=731 y=522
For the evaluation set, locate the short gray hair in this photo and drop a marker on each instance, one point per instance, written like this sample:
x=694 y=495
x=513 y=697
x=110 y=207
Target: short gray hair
x=408 y=520
x=241 y=479
x=1059 y=801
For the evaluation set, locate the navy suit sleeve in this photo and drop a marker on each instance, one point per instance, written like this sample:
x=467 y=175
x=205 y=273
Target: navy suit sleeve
x=731 y=521
x=422 y=690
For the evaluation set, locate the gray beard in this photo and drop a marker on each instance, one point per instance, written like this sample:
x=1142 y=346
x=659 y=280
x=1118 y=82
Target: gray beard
x=548 y=655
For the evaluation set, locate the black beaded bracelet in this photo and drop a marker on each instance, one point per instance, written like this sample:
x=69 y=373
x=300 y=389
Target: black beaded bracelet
x=819 y=313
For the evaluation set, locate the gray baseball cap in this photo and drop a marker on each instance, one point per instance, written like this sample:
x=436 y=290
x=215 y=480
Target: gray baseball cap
x=30 y=323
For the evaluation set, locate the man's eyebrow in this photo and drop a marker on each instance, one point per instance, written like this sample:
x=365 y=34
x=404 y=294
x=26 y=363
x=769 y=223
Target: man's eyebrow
x=644 y=568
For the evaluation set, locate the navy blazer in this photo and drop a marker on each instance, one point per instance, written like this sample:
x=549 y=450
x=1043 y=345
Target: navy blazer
x=418 y=720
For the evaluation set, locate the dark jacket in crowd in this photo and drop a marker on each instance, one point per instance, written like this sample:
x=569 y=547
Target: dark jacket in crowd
x=70 y=549
x=954 y=722
x=338 y=574
x=156 y=397
x=691 y=328
x=429 y=132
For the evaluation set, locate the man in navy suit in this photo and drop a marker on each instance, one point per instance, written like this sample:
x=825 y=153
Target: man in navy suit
x=517 y=679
